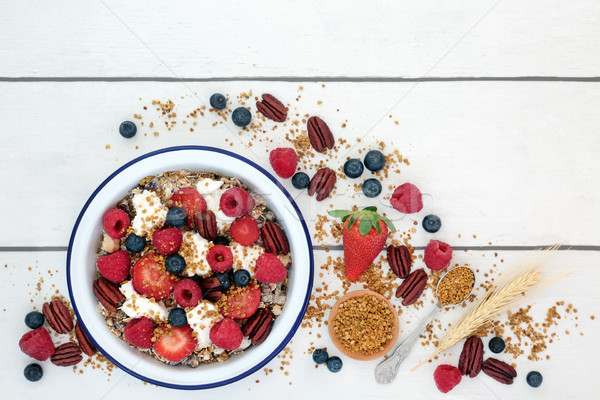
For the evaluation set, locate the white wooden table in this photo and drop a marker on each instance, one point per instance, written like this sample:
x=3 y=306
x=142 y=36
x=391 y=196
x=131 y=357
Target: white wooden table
x=497 y=107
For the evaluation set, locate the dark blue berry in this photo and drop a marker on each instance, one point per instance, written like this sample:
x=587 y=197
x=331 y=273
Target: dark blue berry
x=432 y=223
x=218 y=101
x=241 y=278
x=496 y=345
x=33 y=372
x=225 y=281
x=127 y=129
x=175 y=264
x=34 y=320
x=177 y=317
x=534 y=379
x=374 y=160
x=320 y=356
x=135 y=243
x=371 y=187
x=353 y=168
x=222 y=240
x=241 y=116
x=334 y=364
x=300 y=180
x=176 y=217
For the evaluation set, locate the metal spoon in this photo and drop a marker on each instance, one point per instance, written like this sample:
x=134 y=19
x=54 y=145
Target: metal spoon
x=386 y=371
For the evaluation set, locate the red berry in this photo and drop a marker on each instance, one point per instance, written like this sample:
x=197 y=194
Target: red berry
x=175 y=344
x=115 y=266
x=150 y=278
x=187 y=293
x=446 y=377
x=37 y=344
x=190 y=200
x=241 y=303
x=167 y=241
x=219 y=258
x=437 y=255
x=284 y=161
x=244 y=230
x=226 y=334
x=270 y=269
x=407 y=199
x=139 y=332
x=236 y=202
x=115 y=223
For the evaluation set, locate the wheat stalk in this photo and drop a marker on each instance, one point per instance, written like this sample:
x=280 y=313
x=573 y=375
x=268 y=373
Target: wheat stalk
x=520 y=281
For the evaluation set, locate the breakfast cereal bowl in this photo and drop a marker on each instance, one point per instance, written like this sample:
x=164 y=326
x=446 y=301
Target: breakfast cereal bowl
x=83 y=247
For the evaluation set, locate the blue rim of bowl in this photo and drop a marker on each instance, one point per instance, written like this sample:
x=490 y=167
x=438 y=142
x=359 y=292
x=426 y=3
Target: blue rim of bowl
x=266 y=359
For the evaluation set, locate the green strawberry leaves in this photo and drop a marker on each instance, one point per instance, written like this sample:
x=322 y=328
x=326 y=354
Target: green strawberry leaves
x=370 y=219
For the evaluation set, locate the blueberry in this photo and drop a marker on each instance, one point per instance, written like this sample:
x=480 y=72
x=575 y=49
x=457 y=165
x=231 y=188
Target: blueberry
x=177 y=317
x=496 y=345
x=534 y=379
x=225 y=281
x=127 y=129
x=353 y=168
x=371 y=187
x=300 y=180
x=135 y=243
x=334 y=364
x=241 y=116
x=175 y=264
x=374 y=160
x=34 y=320
x=241 y=278
x=320 y=356
x=222 y=240
x=33 y=372
x=218 y=101
x=176 y=217
x=432 y=223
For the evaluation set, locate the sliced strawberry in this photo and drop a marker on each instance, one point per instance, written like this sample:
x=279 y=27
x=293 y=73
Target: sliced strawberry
x=175 y=344
x=151 y=279
x=190 y=200
x=244 y=230
x=240 y=303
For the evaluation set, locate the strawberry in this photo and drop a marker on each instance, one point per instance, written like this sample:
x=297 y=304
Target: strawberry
x=364 y=235
x=240 y=303
x=151 y=279
x=244 y=230
x=175 y=344
x=190 y=200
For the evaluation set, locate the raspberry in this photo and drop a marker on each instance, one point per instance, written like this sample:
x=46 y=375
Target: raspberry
x=269 y=269
x=187 y=293
x=219 y=258
x=226 y=334
x=139 y=332
x=437 y=255
x=115 y=266
x=236 y=202
x=446 y=377
x=284 y=161
x=190 y=200
x=407 y=199
x=167 y=241
x=115 y=223
x=37 y=344
x=244 y=230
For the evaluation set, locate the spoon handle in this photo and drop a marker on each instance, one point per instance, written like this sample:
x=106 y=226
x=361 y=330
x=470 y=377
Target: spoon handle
x=386 y=371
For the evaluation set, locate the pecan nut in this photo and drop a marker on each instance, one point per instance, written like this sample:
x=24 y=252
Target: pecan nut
x=400 y=260
x=272 y=108
x=258 y=326
x=211 y=283
x=108 y=294
x=499 y=370
x=58 y=316
x=84 y=342
x=274 y=239
x=213 y=295
x=322 y=183
x=319 y=134
x=412 y=287
x=471 y=358
x=206 y=224
x=66 y=355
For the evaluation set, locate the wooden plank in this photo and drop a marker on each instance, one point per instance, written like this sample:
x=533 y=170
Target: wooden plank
x=304 y=38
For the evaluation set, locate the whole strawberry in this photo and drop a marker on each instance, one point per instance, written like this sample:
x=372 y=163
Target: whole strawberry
x=364 y=235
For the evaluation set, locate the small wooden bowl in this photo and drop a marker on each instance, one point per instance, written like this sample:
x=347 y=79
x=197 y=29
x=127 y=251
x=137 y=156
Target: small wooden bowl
x=357 y=355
